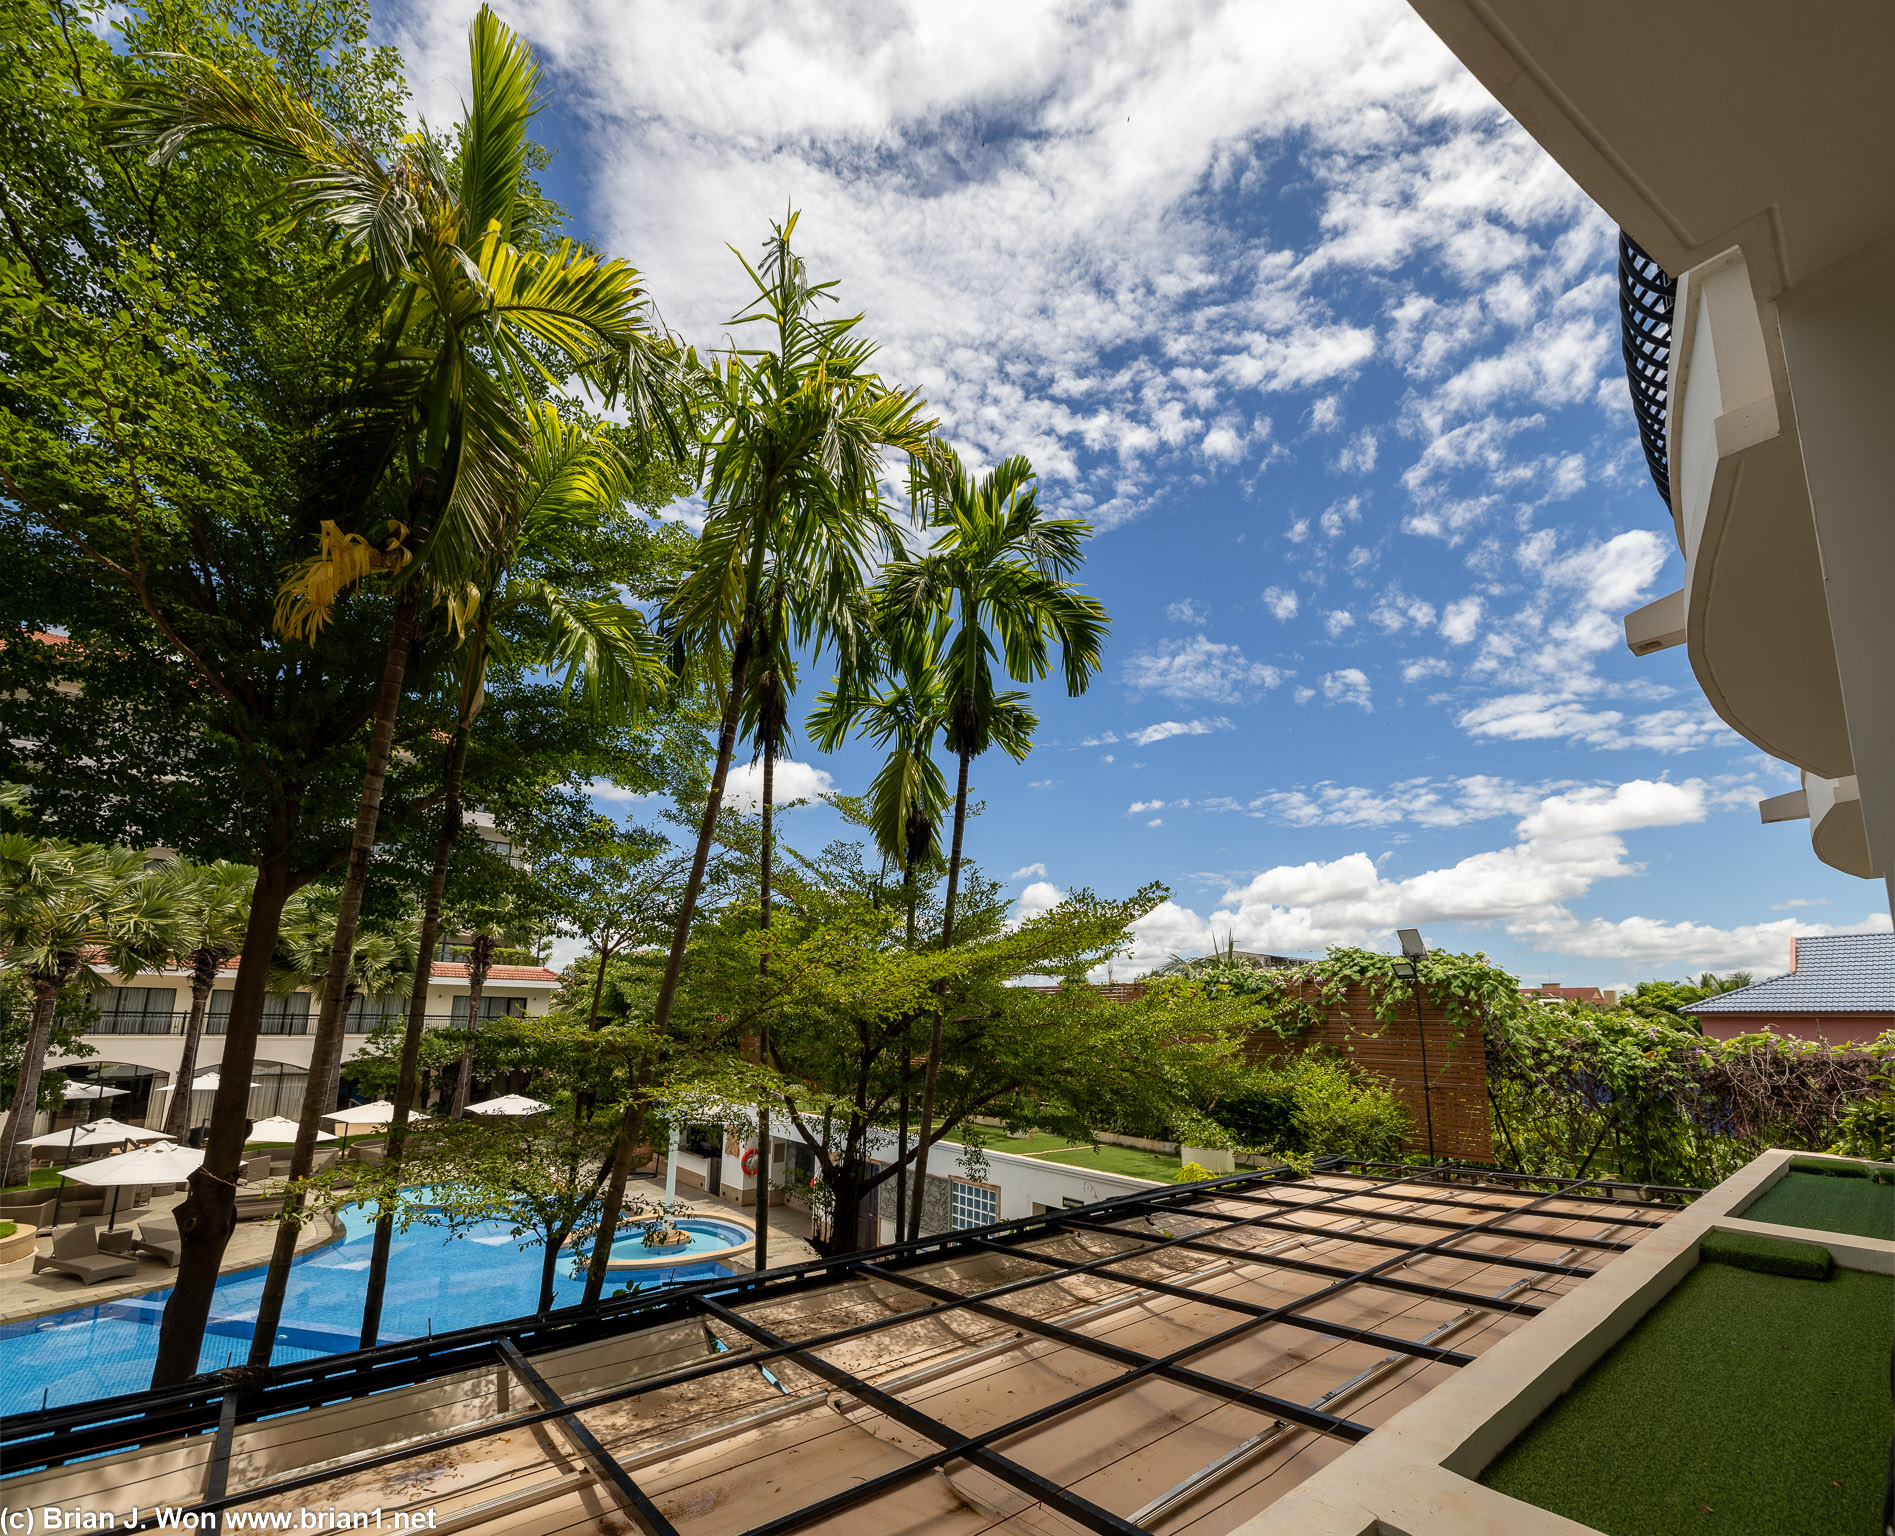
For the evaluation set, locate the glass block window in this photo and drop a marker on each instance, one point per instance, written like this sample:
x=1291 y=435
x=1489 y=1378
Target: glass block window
x=975 y=1205
x=137 y=1011
x=491 y=1007
x=281 y=1015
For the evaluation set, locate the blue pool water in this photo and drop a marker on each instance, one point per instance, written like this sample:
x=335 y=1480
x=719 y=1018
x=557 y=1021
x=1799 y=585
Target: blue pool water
x=436 y=1283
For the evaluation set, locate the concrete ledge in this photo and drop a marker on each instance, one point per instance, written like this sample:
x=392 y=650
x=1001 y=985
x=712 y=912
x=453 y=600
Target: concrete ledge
x=1415 y=1475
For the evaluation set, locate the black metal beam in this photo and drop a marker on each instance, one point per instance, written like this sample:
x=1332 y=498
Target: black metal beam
x=1440 y=1176
x=1079 y=1510
x=1343 y=1331
x=599 y=1461
x=1312 y=1267
x=1375 y=1240
x=1199 y=1381
x=1602 y=1218
x=1603 y=1244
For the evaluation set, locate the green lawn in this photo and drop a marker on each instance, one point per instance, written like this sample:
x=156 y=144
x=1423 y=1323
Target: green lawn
x=1046 y=1148
x=40 y=1178
x=1859 y=1207
x=1745 y=1404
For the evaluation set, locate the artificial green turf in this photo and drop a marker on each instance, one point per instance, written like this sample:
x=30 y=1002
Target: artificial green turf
x=1744 y=1404
x=1860 y=1207
x=39 y=1178
x=1840 y=1168
x=1768 y=1255
x=1104 y=1158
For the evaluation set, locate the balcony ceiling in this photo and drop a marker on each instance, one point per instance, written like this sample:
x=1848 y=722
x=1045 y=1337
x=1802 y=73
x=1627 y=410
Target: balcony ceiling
x=1700 y=123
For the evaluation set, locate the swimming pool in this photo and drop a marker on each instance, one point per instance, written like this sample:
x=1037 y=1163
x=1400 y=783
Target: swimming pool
x=436 y=1282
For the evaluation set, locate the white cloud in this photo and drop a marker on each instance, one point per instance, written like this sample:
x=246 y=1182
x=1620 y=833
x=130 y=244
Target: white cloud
x=1338 y=620
x=1566 y=842
x=1799 y=901
x=1350 y=685
x=1281 y=602
x=1156 y=821
x=1040 y=896
x=1425 y=802
x=1035 y=868
x=1058 y=163
x=1187 y=612
x=1395 y=610
x=1164 y=730
x=1304 y=695
x=1139 y=807
x=1545 y=717
x=1460 y=619
x=618 y=794
x=1424 y=666
x=1199 y=668
x=743 y=790
x=1358 y=455
x=1042 y=783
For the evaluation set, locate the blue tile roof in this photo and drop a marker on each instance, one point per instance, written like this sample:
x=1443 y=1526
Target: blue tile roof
x=1835 y=973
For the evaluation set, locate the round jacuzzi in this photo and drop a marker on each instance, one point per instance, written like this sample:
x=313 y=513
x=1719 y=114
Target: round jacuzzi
x=708 y=1240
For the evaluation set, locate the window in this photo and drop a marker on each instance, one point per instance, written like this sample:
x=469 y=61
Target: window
x=281 y=1015
x=491 y=1007
x=137 y=1011
x=975 y=1205
x=366 y=1014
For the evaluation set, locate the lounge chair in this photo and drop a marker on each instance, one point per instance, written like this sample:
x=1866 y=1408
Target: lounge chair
x=324 y=1157
x=158 y=1237
x=365 y=1152
x=252 y=1206
x=76 y=1253
x=257 y=1168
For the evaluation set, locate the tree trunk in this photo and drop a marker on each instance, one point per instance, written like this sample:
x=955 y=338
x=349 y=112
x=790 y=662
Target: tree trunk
x=326 y=1049
x=954 y=860
x=209 y=1211
x=674 y=962
x=479 y=960
x=549 y=1272
x=397 y=1143
x=18 y=1160
x=934 y=1032
x=927 y=1126
x=177 y=1114
x=901 y=1141
x=761 y=1259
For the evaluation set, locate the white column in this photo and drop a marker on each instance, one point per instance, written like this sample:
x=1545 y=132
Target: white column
x=671 y=1172
x=1839 y=349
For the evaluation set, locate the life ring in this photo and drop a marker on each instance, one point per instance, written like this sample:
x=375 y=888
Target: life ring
x=750 y=1162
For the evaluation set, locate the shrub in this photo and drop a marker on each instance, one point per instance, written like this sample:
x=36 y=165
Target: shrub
x=1193 y=1173
x=1771 y=1255
x=1338 y=1111
x=1312 y=1103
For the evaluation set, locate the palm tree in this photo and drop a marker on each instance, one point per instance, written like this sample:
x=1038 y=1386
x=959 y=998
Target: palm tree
x=472 y=324
x=576 y=480
x=487 y=933
x=792 y=475
x=214 y=906
x=64 y=908
x=998 y=569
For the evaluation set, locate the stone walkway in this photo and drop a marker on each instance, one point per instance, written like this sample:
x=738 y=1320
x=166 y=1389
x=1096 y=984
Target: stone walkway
x=24 y=1294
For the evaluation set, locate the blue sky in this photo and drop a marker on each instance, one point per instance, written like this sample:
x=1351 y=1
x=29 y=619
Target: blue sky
x=1327 y=350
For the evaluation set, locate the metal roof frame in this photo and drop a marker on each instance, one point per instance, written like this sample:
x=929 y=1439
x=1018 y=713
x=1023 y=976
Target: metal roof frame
x=217 y=1404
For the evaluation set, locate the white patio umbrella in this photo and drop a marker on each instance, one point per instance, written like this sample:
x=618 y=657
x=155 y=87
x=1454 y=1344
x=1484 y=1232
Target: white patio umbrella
x=93 y=1091
x=378 y=1113
x=278 y=1128
x=509 y=1104
x=361 y=1116
x=147 y=1165
x=97 y=1133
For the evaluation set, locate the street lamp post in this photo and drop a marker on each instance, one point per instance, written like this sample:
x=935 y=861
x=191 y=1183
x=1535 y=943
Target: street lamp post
x=1408 y=969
